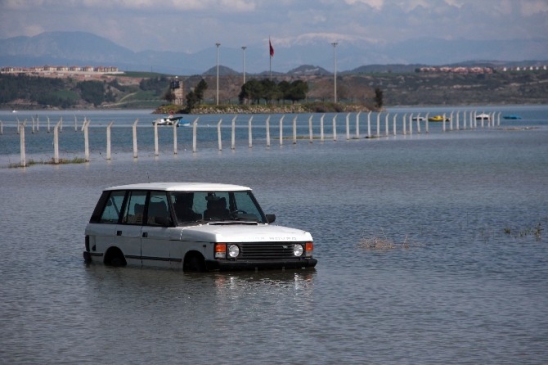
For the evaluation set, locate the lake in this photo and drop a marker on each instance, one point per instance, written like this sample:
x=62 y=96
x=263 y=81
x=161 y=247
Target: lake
x=432 y=248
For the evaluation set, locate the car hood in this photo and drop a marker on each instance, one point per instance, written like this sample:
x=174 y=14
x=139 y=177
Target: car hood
x=244 y=233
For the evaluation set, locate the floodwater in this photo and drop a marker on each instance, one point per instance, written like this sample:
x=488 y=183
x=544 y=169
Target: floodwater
x=432 y=248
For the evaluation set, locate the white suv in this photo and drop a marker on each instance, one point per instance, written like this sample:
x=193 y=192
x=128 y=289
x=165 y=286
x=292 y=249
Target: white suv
x=191 y=227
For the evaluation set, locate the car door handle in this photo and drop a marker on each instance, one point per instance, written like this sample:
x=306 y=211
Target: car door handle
x=145 y=234
x=118 y=233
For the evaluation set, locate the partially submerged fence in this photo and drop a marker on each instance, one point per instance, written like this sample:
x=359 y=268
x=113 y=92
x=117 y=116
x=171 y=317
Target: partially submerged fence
x=450 y=122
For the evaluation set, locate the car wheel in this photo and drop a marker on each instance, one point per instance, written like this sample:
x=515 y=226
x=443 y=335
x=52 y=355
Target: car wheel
x=194 y=263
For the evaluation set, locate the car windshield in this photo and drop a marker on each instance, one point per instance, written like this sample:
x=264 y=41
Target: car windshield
x=216 y=206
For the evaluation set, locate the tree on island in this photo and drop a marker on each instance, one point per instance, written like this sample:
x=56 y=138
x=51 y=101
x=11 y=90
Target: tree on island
x=196 y=96
x=254 y=91
x=378 y=98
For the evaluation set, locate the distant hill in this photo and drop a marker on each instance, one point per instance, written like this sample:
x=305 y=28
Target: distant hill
x=315 y=56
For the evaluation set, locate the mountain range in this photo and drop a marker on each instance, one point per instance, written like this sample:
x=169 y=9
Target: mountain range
x=86 y=49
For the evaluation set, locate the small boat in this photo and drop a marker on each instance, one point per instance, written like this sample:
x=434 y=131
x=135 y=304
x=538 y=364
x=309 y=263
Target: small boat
x=437 y=118
x=483 y=116
x=418 y=119
x=171 y=120
x=512 y=116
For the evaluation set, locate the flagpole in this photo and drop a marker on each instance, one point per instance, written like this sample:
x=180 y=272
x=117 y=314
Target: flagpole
x=271 y=52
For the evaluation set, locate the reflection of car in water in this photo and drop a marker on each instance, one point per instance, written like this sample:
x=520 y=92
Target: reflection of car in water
x=437 y=118
x=191 y=227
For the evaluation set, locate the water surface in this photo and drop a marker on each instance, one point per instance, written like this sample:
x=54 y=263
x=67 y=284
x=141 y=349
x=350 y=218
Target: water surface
x=463 y=282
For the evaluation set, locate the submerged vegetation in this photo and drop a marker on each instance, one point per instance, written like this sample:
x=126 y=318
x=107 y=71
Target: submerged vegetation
x=62 y=161
x=535 y=231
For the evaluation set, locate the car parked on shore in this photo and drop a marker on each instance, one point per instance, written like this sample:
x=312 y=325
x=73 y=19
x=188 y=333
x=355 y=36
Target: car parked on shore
x=191 y=227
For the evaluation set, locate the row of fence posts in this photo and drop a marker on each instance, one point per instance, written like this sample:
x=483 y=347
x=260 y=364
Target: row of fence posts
x=407 y=128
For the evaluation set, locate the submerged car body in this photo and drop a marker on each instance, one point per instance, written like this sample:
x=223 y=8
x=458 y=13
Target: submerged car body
x=191 y=227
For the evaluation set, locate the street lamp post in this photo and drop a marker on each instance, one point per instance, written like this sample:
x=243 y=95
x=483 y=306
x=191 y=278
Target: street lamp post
x=334 y=44
x=217 y=44
x=243 y=48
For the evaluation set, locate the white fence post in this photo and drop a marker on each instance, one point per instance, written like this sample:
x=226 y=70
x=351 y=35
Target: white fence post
x=250 y=132
x=310 y=131
x=378 y=124
x=194 y=129
x=369 y=124
x=321 y=128
x=135 y=138
x=233 y=134
x=335 y=127
x=295 y=130
x=56 y=141
x=282 y=130
x=347 y=126
x=411 y=125
x=175 y=126
x=109 y=147
x=86 y=139
x=358 y=124
x=156 y=149
x=219 y=138
x=443 y=122
x=268 y=131
x=22 y=145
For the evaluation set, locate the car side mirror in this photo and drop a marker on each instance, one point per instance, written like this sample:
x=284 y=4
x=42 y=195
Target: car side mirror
x=270 y=218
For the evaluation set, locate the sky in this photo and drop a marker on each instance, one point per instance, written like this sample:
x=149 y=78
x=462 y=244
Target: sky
x=194 y=25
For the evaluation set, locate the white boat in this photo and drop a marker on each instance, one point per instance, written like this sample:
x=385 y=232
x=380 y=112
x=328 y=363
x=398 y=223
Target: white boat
x=483 y=116
x=418 y=119
x=171 y=120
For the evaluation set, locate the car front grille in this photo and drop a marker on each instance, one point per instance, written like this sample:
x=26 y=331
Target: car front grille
x=266 y=250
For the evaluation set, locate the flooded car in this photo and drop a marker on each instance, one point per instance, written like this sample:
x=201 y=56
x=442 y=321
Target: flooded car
x=191 y=227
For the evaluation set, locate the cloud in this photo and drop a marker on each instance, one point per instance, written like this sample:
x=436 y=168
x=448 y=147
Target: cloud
x=194 y=25
x=529 y=8
x=131 y=5
x=375 y=4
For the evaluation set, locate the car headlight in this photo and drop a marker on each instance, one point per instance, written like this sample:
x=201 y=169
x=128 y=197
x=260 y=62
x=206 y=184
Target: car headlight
x=298 y=249
x=233 y=251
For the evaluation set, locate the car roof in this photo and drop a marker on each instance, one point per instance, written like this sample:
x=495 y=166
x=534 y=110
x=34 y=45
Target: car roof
x=180 y=186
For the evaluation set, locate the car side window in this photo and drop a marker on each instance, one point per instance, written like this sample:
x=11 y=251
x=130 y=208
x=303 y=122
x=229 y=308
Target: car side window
x=113 y=207
x=135 y=208
x=158 y=213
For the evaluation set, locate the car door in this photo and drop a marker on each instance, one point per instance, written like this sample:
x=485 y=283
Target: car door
x=158 y=234
x=129 y=231
x=102 y=231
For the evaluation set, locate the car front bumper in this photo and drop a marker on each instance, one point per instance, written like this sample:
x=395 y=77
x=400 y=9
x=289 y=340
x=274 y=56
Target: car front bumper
x=229 y=265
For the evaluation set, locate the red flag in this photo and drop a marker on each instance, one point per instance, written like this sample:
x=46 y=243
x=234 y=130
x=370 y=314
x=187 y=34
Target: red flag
x=271 y=48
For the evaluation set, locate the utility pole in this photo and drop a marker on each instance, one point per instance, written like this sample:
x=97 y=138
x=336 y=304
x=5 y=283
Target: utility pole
x=217 y=98
x=334 y=44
